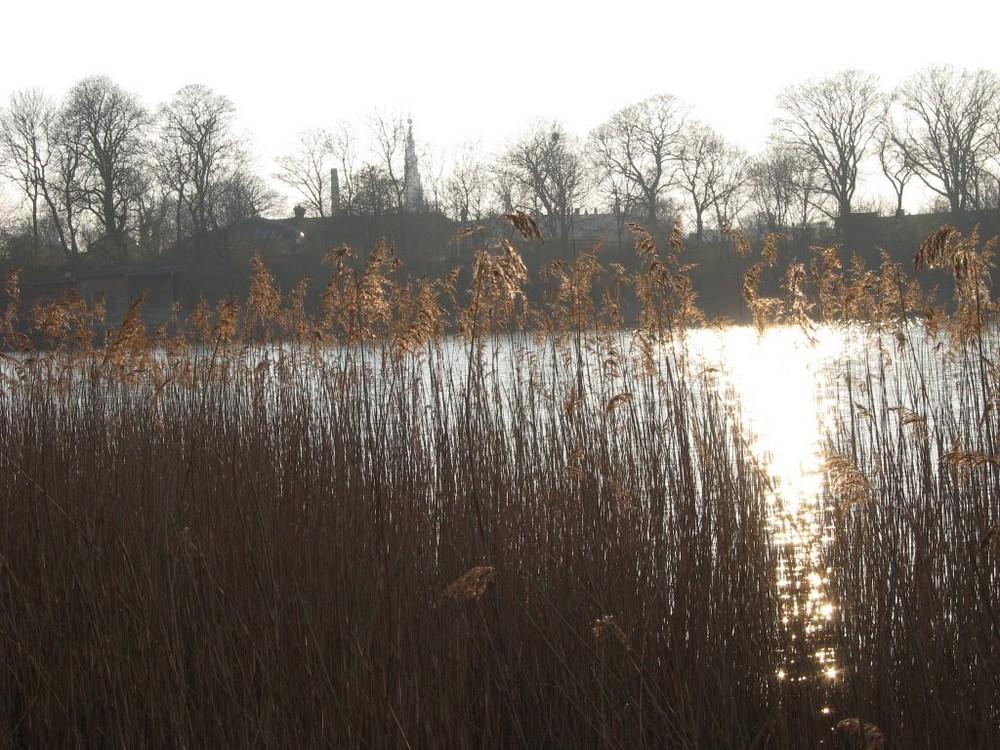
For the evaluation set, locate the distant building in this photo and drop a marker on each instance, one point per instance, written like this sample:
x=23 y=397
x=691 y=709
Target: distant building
x=413 y=191
x=118 y=288
x=269 y=236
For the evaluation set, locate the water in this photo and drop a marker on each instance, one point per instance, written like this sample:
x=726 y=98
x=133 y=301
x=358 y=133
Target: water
x=777 y=385
x=807 y=406
x=811 y=407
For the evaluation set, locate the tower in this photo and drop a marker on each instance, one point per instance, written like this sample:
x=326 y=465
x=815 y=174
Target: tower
x=413 y=192
x=334 y=193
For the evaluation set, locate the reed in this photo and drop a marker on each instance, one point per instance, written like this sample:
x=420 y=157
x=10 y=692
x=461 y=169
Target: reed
x=424 y=516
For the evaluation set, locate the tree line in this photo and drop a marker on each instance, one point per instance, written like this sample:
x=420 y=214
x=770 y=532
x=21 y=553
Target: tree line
x=100 y=173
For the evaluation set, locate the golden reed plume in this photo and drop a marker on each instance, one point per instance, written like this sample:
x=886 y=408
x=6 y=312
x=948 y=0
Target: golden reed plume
x=473 y=584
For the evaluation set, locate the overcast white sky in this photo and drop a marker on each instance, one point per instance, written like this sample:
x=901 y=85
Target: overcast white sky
x=466 y=70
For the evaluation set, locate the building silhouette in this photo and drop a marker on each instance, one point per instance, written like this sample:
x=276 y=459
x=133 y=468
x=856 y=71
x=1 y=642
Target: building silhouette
x=413 y=192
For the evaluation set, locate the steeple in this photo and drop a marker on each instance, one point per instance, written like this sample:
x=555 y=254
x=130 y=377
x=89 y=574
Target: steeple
x=413 y=192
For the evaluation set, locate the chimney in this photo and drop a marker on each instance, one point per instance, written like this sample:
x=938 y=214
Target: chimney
x=334 y=193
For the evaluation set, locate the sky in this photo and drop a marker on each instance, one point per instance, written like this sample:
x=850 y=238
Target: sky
x=467 y=71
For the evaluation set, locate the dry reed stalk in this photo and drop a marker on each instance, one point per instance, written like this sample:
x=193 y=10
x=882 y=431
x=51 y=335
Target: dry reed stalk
x=847 y=483
x=959 y=462
x=258 y=558
x=607 y=622
x=855 y=734
x=264 y=299
x=473 y=584
x=227 y=321
x=12 y=288
x=525 y=224
x=67 y=322
x=129 y=350
x=937 y=249
x=797 y=303
x=769 y=252
x=829 y=282
x=741 y=243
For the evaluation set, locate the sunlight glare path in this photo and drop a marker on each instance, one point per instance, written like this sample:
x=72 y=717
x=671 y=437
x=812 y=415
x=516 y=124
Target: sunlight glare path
x=776 y=385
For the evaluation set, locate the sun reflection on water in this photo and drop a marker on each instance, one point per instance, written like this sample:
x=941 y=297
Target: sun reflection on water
x=775 y=383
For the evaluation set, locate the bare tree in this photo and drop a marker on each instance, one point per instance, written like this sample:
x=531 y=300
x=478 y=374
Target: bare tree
x=832 y=121
x=173 y=176
x=783 y=189
x=307 y=169
x=711 y=174
x=44 y=163
x=153 y=225
x=621 y=199
x=198 y=149
x=9 y=224
x=432 y=183
x=895 y=164
x=389 y=133
x=105 y=123
x=466 y=191
x=343 y=144
x=949 y=130
x=24 y=153
x=242 y=195
x=641 y=144
x=547 y=170
x=731 y=192
x=62 y=190
x=375 y=192
x=505 y=186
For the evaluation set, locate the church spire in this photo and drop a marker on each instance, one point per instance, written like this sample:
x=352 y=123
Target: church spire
x=413 y=192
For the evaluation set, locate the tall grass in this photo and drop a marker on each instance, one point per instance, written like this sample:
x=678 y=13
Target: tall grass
x=429 y=516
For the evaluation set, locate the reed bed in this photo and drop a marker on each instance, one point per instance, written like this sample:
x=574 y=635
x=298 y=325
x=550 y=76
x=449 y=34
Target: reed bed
x=431 y=516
